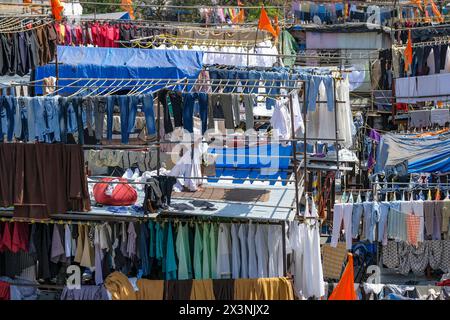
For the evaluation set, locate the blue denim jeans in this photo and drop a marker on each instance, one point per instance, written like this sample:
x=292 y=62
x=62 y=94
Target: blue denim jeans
x=147 y=108
x=76 y=104
x=132 y=111
x=254 y=78
x=382 y=225
x=124 y=104
x=203 y=106
x=63 y=118
x=10 y=111
x=371 y=217
x=188 y=111
x=313 y=86
x=110 y=102
x=52 y=127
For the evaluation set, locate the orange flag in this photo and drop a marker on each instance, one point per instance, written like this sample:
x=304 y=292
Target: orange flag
x=408 y=52
x=57 y=9
x=264 y=22
x=127 y=6
x=27 y=1
x=345 y=289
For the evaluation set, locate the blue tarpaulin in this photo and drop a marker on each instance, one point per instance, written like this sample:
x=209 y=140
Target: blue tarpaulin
x=415 y=154
x=120 y=63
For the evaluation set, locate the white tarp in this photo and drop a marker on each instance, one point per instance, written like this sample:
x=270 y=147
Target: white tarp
x=424 y=88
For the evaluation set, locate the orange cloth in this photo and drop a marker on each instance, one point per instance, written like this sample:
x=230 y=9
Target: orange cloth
x=436 y=12
x=345 y=289
x=240 y=17
x=408 y=52
x=431 y=134
x=265 y=24
x=412 y=229
x=126 y=5
x=417 y=2
x=277 y=26
x=57 y=9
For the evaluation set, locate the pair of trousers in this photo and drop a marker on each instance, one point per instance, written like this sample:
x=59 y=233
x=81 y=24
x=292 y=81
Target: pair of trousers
x=249 y=102
x=188 y=110
x=382 y=225
x=226 y=103
x=126 y=111
x=356 y=219
x=313 y=90
x=177 y=108
x=371 y=218
x=10 y=111
x=147 y=108
x=342 y=211
x=162 y=98
x=52 y=127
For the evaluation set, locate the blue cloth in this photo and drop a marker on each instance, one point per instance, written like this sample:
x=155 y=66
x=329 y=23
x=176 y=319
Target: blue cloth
x=382 y=225
x=124 y=105
x=110 y=102
x=188 y=112
x=147 y=108
x=144 y=249
x=121 y=63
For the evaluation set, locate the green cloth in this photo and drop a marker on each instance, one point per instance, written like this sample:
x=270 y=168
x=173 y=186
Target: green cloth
x=213 y=243
x=206 y=270
x=170 y=260
x=290 y=47
x=183 y=254
x=198 y=248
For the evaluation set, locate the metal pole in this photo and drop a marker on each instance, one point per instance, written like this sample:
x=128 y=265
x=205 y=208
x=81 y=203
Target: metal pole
x=305 y=140
x=283 y=232
x=294 y=154
x=158 y=137
x=336 y=126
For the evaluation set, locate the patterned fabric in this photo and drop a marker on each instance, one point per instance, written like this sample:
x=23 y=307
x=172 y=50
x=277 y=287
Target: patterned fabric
x=445 y=263
x=435 y=254
x=390 y=255
x=413 y=229
x=418 y=258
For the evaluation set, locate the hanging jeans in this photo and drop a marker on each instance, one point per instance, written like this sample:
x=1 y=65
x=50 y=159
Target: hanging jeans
x=177 y=108
x=124 y=104
x=63 y=118
x=383 y=223
x=52 y=129
x=243 y=76
x=10 y=111
x=99 y=116
x=28 y=102
x=75 y=103
x=203 y=109
x=162 y=97
x=371 y=218
x=132 y=111
x=356 y=219
x=249 y=102
x=254 y=78
x=342 y=211
x=313 y=91
x=21 y=118
x=147 y=108
x=188 y=112
x=110 y=102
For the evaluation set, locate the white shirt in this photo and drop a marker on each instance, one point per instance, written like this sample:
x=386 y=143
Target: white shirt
x=224 y=252
x=275 y=251
x=252 y=259
x=243 y=236
x=235 y=252
x=281 y=120
x=262 y=250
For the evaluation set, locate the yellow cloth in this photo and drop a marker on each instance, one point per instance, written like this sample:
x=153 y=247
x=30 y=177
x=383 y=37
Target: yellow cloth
x=245 y=289
x=263 y=289
x=120 y=287
x=150 y=289
x=202 y=290
x=88 y=255
x=80 y=244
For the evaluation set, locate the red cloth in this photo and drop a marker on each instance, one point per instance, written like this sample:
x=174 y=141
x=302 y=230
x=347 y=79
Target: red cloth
x=103 y=36
x=6 y=238
x=5 y=291
x=95 y=30
x=116 y=36
x=122 y=195
x=20 y=237
x=445 y=283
